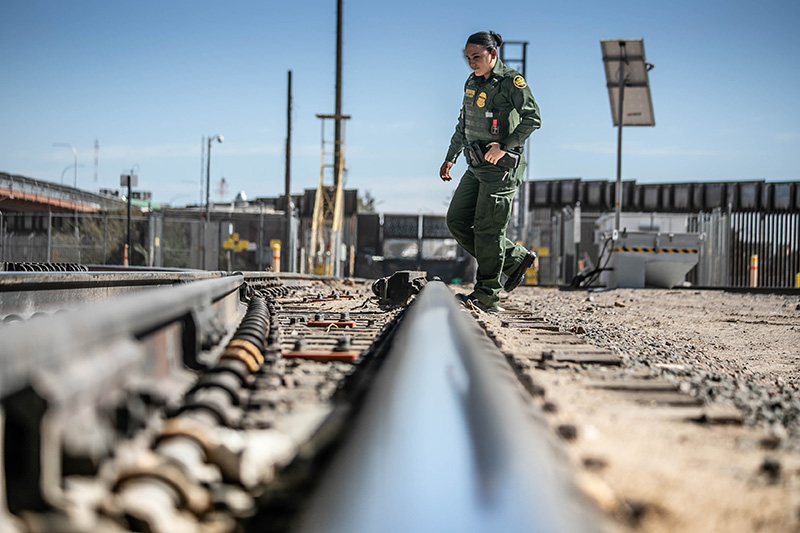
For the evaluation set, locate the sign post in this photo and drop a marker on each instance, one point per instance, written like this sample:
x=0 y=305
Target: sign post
x=631 y=105
x=626 y=76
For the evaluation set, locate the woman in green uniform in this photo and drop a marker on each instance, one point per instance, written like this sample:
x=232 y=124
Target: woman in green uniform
x=498 y=114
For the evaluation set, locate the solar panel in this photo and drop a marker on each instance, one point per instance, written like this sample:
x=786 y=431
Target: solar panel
x=627 y=55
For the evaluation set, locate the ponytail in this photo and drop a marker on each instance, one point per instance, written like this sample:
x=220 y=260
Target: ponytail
x=488 y=40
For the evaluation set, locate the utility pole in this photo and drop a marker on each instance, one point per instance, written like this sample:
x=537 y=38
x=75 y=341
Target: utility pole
x=202 y=168
x=337 y=163
x=289 y=242
x=326 y=223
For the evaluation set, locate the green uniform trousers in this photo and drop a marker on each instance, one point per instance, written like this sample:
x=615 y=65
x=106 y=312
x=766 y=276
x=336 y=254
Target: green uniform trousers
x=477 y=218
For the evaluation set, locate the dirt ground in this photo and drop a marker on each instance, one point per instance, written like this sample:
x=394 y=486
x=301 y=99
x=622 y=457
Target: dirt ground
x=728 y=458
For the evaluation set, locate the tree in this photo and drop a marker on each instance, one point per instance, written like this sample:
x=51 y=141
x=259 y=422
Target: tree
x=366 y=203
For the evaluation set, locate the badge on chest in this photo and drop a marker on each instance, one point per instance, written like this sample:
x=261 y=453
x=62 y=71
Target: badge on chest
x=470 y=99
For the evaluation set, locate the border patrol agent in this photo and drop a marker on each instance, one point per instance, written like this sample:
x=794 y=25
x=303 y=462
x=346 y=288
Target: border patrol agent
x=497 y=116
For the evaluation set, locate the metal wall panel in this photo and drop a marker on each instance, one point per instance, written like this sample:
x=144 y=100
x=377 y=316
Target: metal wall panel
x=732 y=197
x=797 y=197
x=714 y=196
x=628 y=195
x=698 y=197
x=540 y=193
x=781 y=196
x=400 y=226
x=593 y=195
x=650 y=197
x=435 y=227
x=569 y=192
x=682 y=196
x=748 y=196
x=369 y=233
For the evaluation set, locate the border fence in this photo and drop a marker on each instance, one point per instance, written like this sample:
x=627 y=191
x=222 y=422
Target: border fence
x=741 y=222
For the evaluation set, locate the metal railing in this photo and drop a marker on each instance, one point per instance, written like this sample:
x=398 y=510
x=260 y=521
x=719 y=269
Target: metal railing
x=55 y=194
x=774 y=238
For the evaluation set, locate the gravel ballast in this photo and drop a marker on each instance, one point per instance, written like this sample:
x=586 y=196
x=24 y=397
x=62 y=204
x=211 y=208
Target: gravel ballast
x=668 y=468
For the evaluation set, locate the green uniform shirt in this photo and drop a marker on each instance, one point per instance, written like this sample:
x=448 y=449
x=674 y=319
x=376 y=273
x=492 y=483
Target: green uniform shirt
x=498 y=109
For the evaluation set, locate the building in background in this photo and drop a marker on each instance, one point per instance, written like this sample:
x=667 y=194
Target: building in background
x=44 y=222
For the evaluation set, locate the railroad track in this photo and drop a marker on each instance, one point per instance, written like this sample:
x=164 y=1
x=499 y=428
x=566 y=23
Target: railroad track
x=195 y=401
x=203 y=401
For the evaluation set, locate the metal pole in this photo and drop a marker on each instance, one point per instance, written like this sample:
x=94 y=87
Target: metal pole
x=130 y=254
x=576 y=235
x=337 y=154
x=49 y=236
x=208 y=180
x=62 y=178
x=338 y=113
x=202 y=160
x=288 y=181
x=208 y=205
x=523 y=193
x=2 y=238
x=618 y=201
x=105 y=237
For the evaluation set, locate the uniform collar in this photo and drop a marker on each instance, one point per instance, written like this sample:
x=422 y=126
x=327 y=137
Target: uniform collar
x=497 y=71
x=499 y=68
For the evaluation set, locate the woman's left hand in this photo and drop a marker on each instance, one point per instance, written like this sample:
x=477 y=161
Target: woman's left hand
x=494 y=154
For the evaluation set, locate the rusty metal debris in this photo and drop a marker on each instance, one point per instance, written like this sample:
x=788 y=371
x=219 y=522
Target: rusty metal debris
x=398 y=289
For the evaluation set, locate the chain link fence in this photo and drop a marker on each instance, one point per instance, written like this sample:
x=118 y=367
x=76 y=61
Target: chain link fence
x=99 y=239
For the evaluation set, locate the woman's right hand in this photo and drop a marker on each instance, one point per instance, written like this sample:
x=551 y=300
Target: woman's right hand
x=444 y=172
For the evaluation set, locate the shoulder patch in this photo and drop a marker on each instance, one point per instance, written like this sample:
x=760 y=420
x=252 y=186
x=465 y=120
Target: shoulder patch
x=519 y=82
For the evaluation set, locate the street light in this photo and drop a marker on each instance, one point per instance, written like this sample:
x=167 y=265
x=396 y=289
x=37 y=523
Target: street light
x=61 y=192
x=219 y=139
x=75 y=185
x=75 y=153
x=64 y=172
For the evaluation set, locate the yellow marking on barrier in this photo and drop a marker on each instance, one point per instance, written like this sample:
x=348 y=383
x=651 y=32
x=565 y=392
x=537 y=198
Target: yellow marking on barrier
x=233 y=243
x=656 y=250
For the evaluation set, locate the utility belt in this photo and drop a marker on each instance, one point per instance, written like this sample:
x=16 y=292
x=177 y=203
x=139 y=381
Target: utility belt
x=475 y=151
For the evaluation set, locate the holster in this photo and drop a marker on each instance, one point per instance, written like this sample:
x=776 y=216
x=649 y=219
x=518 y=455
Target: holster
x=474 y=153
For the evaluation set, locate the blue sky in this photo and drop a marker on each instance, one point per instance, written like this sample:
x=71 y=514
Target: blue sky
x=149 y=79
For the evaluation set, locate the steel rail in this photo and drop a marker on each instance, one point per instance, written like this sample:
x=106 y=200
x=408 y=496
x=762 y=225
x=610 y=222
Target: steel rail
x=66 y=379
x=26 y=349
x=25 y=294
x=445 y=441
